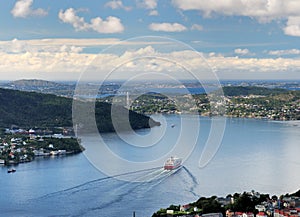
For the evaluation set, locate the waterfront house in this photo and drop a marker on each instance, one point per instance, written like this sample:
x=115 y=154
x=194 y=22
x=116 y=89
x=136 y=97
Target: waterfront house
x=230 y=213
x=261 y=214
x=213 y=215
x=260 y=208
x=2 y=161
x=248 y=214
x=185 y=208
x=238 y=214
x=170 y=211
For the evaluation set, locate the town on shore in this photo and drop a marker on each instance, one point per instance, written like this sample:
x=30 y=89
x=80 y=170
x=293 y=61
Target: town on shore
x=231 y=101
x=19 y=145
x=246 y=204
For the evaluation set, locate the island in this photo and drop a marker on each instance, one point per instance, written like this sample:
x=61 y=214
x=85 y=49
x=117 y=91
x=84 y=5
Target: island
x=246 y=204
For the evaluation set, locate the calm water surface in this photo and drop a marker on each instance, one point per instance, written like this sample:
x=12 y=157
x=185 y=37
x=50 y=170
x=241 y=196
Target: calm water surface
x=254 y=154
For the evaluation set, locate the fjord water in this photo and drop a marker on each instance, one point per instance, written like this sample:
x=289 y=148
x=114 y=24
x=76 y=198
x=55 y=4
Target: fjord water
x=254 y=154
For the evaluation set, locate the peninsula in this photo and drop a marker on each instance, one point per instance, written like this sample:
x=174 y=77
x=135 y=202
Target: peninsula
x=34 y=124
x=237 y=101
x=31 y=109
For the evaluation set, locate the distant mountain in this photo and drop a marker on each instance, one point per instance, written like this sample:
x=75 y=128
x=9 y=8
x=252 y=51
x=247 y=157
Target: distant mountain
x=30 y=109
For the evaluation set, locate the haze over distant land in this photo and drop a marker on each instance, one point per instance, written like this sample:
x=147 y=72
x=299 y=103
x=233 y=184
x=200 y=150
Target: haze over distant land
x=61 y=40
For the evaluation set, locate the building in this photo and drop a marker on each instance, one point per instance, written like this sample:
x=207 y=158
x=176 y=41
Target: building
x=213 y=215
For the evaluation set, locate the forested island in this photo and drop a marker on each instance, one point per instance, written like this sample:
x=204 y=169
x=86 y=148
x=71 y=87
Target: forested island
x=246 y=204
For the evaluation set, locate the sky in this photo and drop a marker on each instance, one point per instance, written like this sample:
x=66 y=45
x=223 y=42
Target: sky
x=122 y=39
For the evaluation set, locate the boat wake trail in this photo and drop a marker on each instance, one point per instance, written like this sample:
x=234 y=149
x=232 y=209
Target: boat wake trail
x=111 y=193
x=87 y=185
x=195 y=181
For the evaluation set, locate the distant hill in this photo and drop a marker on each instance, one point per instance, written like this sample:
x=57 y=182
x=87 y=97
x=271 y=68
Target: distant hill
x=251 y=90
x=41 y=86
x=30 y=109
x=34 y=83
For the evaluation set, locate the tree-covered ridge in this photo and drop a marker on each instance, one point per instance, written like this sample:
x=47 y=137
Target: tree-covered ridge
x=251 y=90
x=30 y=109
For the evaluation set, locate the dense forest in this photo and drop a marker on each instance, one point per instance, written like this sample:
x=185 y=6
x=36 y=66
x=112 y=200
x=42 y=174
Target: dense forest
x=251 y=90
x=30 y=109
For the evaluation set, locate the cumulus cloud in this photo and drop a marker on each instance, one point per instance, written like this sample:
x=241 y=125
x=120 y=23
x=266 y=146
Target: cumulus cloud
x=117 y=4
x=69 y=16
x=148 y=4
x=263 y=11
x=197 y=27
x=109 y=25
x=23 y=9
x=153 y=13
x=241 y=51
x=167 y=27
x=55 y=58
x=292 y=27
x=284 y=52
x=74 y=63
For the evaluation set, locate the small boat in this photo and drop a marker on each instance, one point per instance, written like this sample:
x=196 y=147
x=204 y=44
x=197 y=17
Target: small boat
x=172 y=163
x=11 y=170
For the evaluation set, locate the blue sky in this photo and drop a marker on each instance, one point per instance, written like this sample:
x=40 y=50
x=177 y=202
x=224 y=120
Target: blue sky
x=238 y=39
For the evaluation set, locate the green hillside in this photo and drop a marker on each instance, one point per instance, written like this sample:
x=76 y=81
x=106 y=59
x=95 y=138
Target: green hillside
x=251 y=90
x=30 y=109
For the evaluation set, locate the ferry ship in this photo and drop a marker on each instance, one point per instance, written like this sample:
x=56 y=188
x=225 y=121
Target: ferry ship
x=172 y=163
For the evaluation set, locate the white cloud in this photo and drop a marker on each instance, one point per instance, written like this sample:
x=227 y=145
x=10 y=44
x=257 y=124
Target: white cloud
x=264 y=11
x=284 y=52
x=70 y=45
x=16 y=46
x=153 y=13
x=148 y=4
x=117 y=4
x=110 y=25
x=241 y=51
x=167 y=27
x=261 y=10
x=69 y=16
x=65 y=59
x=23 y=9
x=293 y=26
x=197 y=27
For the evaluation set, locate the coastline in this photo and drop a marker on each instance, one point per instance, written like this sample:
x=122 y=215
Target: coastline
x=246 y=204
